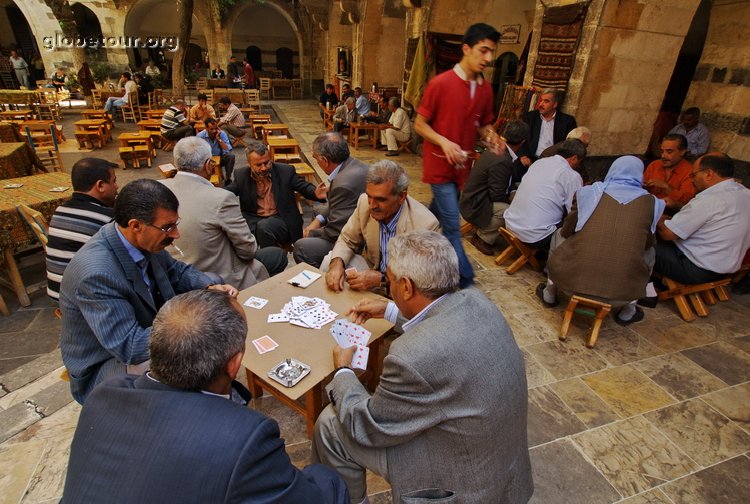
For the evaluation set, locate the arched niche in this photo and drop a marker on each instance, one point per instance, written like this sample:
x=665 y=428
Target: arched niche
x=254 y=57
x=88 y=25
x=285 y=62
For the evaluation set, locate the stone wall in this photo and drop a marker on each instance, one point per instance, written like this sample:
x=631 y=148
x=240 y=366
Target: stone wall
x=383 y=50
x=721 y=86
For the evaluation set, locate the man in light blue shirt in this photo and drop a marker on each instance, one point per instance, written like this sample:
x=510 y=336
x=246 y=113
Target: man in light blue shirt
x=362 y=102
x=220 y=146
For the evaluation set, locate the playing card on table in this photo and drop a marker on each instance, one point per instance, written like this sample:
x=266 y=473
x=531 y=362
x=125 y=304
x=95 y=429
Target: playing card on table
x=264 y=344
x=277 y=317
x=59 y=189
x=12 y=186
x=318 y=317
x=256 y=302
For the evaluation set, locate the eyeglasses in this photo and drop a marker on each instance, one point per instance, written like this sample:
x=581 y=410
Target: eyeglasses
x=693 y=174
x=165 y=230
x=211 y=162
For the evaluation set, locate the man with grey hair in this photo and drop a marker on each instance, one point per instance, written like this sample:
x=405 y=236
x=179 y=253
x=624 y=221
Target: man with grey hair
x=174 y=124
x=547 y=126
x=490 y=188
x=545 y=196
x=345 y=114
x=399 y=127
x=581 y=133
x=360 y=255
x=346 y=179
x=202 y=443
x=448 y=418
x=214 y=236
x=267 y=197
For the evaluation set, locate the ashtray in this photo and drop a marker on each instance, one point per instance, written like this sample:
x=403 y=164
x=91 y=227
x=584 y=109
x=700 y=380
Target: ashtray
x=289 y=372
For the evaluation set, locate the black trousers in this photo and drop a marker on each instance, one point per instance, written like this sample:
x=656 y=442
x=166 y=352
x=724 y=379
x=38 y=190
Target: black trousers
x=673 y=263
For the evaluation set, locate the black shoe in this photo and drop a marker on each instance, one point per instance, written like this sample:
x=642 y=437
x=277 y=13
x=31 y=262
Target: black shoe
x=482 y=246
x=382 y=147
x=637 y=317
x=540 y=294
x=392 y=153
x=649 y=301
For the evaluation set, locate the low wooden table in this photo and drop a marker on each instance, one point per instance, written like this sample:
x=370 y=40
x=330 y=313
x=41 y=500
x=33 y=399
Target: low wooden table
x=313 y=347
x=271 y=129
x=371 y=129
x=17 y=115
x=99 y=126
x=287 y=146
x=155 y=113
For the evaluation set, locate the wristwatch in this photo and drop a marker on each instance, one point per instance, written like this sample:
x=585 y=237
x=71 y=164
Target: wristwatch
x=383 y=281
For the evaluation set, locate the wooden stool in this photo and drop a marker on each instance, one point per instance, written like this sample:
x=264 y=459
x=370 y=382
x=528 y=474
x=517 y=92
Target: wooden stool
x=87 y=139
x=699 y=295
x=166 y=144
x=126 y=155
x=580 y=304
x=405 y=146
x=515 y=245
x=141 y=153
x=467 y=228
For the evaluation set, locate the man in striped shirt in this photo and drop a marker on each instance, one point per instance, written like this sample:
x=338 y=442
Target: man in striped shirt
x=79 y=218
x=174 y=124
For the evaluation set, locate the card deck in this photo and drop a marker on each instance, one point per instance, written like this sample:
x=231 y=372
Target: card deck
x=264 y=344
x=256 y=302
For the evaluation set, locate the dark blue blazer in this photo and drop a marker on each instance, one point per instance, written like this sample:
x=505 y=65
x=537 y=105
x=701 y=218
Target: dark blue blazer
x=141 y=441
x=564 y=124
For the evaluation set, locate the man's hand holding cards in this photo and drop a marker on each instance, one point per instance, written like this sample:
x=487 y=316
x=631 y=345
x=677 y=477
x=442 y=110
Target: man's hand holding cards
x=349 y=334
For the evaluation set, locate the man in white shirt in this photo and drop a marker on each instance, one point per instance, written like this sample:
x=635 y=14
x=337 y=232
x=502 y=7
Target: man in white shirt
x=709 y=236
x=695 y=132
x=399 y=127
x=545 y=196
x=130 y=87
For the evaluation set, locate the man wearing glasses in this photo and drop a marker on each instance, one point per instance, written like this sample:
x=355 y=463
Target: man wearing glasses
x=116 y=283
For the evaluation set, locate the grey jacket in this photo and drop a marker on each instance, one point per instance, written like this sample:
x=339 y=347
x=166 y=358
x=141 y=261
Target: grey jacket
x=343 y=194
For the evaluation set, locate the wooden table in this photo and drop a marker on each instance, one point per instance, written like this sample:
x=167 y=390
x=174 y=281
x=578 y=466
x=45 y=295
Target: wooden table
x=136 y=141
x=216 y=83
x=14 y=161
x=283 y=149
x=371 y=129
x=282 y=84
x=45 y=124
x=98 y=114
x=311 y=346
x=270 y=130
x=15 y=97
x=155 y=113
x=14 y=233
x=17 y=115
x=88 y=128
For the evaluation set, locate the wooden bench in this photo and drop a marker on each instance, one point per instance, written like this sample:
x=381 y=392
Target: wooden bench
x=589 y=307
x=699 y=296
x=525 y=253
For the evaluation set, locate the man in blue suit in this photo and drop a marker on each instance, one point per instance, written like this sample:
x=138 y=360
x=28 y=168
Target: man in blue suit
x=116 y=283
x=182 y=432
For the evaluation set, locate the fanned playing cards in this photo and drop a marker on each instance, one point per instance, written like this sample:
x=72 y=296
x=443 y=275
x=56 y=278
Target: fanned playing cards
x=347 y=334
x=312 y=313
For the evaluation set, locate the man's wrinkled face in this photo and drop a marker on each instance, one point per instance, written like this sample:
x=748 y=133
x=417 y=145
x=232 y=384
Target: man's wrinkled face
x=158 y=235
x=260 y=164
x=547 y=105
x=671 y=154
x=383 y=204
x=480 y=55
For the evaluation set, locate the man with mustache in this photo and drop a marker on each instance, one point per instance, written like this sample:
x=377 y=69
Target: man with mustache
x=668 y=178
x=116 y=283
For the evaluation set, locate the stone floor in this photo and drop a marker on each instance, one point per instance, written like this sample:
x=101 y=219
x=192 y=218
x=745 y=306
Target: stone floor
x=658 y=412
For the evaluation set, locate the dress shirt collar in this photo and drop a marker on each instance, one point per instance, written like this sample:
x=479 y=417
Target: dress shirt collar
x=513 y=155
x=460 y=72
x=193 y=176
x=136 y=255
x=391 y=226
x=335 y=172
x=416 y=319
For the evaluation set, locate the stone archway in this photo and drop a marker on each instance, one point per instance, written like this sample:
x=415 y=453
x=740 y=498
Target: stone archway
x=254 y=57
x=88 y=26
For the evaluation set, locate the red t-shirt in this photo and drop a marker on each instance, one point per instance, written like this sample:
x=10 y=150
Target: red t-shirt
x=448 y=108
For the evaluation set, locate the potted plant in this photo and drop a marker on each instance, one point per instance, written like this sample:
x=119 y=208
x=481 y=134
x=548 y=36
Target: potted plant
x=101 y=72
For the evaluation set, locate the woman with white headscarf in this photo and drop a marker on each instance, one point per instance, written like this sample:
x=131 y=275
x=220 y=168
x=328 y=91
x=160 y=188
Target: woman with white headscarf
x=609 y=236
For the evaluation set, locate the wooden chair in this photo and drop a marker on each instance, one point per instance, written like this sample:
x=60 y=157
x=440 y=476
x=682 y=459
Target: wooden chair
x=44 y=143
x=297 y=88
x=43 y=83
x=277 y=74
x=265 y=87
x=585 y=306
x=48 y=105
x=201 y=83
x=526 y=253
x=131 y=111
x=36 y=222
x=699 y=296
x=166 y=144
x=252 y=98
x=96 y=98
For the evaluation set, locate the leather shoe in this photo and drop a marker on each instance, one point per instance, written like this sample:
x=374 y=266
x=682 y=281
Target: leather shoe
x=481 y=245
x=649 y=301
x=392 y=153
x=637 y=317
x=382 y=147
x=540 y=294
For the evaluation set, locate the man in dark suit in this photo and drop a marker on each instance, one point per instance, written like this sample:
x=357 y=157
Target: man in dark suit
x=346 y=177
x=116 y=283
x=182 y=432
x=266 y=191
x=447 y=421
x=490 y=187
x=547 y=124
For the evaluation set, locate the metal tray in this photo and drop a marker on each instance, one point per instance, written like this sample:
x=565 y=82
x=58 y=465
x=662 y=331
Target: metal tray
x=289 y=372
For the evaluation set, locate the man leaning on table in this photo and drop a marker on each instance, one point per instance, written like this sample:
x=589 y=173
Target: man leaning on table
x=116 y=283
x=384 y=211
x=183 y=431
x=448 y=420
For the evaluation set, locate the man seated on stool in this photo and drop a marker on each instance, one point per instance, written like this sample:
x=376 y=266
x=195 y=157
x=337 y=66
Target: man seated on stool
x=707 y=239
x=608 y=250
x=384 y=211
x=267 y=197
x=214 y=236
x=233 y=122
x=328 y=99
x=447 y=421
x=344 y=115
x=399 y=127
x=545 y=194
x=220 y=146
x=201 y=110
x=362 y=102
x=490 y=188
x=116 y=283
x=174 y=124
x=183 y=432
x=668 y=178
x=346 y=178
x=694 y=131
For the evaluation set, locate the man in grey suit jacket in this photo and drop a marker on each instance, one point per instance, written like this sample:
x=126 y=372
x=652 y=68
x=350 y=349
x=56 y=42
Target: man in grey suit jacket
x=346 y=177
x=448 y=419
x=213 y=234
x=116 y=283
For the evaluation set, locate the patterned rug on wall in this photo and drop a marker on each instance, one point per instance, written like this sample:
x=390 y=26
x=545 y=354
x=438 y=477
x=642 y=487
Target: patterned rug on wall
x=561 y=30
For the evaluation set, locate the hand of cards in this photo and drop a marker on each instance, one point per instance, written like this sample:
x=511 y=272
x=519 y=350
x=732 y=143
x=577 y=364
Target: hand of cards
x=312 y=313
x=347 y=334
